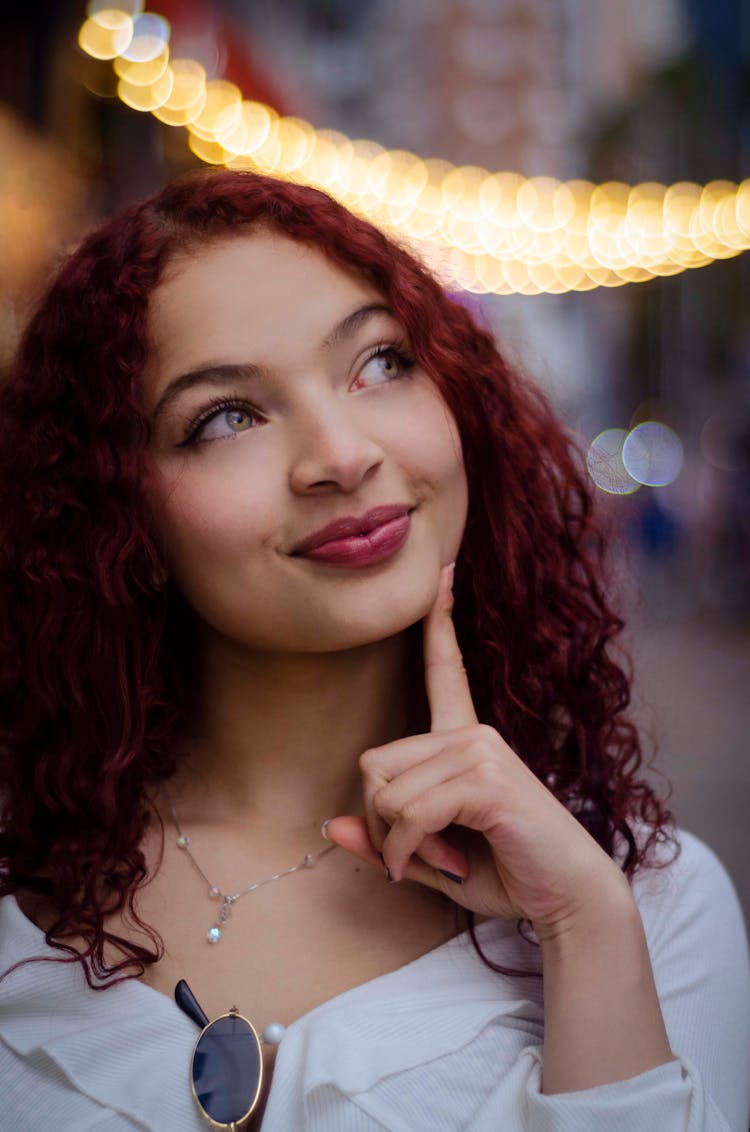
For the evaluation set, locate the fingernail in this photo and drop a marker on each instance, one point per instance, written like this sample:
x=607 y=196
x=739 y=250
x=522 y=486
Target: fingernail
x=388 y=876
x=451 y=573
x=452 y=876
x=324 y=829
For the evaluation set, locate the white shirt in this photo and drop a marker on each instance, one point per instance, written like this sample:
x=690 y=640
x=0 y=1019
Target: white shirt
x=441 y=1044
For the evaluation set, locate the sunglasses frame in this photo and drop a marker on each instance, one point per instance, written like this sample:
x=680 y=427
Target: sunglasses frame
x=187 y=1002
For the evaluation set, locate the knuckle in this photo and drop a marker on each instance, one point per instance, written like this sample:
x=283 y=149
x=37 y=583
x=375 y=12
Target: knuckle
x=487 y=773
x=380 y=802
x=409 y=812
x=367 y=760
x=487 y=735
x=468 y=760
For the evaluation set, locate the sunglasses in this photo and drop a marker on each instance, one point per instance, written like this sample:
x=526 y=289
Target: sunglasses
x=226 y=1071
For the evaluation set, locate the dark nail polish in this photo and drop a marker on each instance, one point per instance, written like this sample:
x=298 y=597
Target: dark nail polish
x=388 y=876
x=451 y=876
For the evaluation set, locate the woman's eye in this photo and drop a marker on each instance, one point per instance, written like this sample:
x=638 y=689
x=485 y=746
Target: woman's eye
x=224 y=420
x=229 y=418
x=225 y=423
x=389 y=363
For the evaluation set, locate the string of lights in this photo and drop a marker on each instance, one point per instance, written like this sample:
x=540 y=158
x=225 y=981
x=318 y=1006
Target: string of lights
x=480 y=231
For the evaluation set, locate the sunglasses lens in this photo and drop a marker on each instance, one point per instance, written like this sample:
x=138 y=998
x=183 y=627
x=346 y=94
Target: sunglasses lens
x=227 y=1067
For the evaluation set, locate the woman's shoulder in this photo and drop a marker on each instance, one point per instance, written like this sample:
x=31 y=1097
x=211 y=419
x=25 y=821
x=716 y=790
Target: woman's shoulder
x=30 y=969
x=687 y=898
x=676 y=860
x=53 y=1029
x=18 y=935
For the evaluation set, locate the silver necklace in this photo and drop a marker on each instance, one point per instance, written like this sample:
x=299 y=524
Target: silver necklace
x=214 y=933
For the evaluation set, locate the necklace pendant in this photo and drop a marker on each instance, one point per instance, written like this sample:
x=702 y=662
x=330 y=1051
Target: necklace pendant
x=213 y=935
x=226 y=909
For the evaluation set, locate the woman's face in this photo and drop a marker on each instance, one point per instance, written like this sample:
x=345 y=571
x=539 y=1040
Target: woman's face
x=288 y=421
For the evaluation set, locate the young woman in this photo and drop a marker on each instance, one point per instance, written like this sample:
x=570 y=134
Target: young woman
x=245 y=442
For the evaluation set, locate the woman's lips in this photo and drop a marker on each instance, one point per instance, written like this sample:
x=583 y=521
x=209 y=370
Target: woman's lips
x=364 y=550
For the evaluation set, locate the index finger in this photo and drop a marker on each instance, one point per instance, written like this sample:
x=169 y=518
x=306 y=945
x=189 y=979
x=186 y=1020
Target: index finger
x=446 y=681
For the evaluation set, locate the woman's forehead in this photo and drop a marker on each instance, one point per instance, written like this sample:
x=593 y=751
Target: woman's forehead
x=250 y=273
x=254 y=298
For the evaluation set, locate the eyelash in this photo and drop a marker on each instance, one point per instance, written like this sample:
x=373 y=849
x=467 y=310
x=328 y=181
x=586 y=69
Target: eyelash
x=227 y=404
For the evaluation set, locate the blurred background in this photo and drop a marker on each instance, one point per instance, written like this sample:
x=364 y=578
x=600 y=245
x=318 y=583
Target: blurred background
x=503 y=139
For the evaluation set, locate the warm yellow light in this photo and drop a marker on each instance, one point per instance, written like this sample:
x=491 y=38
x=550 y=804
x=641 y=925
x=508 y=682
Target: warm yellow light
x=221 y=113
x=149 y=97
x=421 y=224
x=743 y=208
x=96 y=8
x=181 y=117
x=210 y=152
x=405 y=180
x=483 y=231
x=267 y=156
x=536 y=203
x=106 y=35
x=330 y=152
x=356 y=175
x=150 y=37
x=142 y=73
x=463 y=234
x=726 y=224
x=461 y=189
x=189 y=85
x=610 y=198
x=250 y=131
x=296 y=141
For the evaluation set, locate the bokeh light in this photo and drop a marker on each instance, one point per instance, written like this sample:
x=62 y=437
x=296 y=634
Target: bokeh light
x=491 y=232
x=149 y=96
x=149 y=39
x=652 y=454
x=100 y=8
x=142 y=73
x=107 y=34
x=605 y=464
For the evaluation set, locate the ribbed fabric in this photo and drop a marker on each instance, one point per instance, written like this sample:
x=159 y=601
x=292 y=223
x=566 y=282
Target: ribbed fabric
x=440 y=1045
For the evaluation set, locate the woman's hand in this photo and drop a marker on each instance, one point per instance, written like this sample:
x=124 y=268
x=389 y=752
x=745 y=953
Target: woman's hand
x=460 y=800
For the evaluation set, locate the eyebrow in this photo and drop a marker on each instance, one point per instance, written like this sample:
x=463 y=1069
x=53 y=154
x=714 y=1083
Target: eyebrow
x=246 y=371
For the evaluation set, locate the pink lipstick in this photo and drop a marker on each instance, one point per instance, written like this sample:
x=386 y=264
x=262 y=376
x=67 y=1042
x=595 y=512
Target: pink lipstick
x=365 y=549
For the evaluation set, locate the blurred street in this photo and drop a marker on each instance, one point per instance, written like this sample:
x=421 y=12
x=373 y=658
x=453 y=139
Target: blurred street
x=692 y=689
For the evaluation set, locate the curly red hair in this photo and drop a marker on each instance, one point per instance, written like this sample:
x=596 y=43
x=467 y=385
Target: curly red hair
x=91 y=684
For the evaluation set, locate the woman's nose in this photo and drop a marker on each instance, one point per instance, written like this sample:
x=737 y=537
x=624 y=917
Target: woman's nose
x=330 y=446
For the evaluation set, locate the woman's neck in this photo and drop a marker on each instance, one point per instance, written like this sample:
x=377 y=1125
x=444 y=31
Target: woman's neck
x=277 y=738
